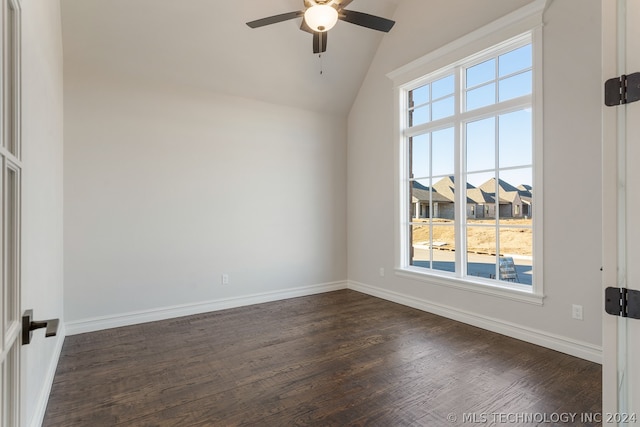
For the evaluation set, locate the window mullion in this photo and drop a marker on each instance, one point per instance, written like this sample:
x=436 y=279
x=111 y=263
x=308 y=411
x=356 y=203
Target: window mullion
x=431 y=200
x=497 y=174
x=460 y=179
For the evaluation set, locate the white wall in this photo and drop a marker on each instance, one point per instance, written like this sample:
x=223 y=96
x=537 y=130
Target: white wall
x=42 y=122
x=167 y=188
x=572 y=173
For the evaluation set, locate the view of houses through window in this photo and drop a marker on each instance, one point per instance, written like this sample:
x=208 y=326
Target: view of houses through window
x=469 y=141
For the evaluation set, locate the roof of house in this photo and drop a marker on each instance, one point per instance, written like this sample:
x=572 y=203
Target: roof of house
x=422 y=193
x=476 y=195
x=443 y=191
x=507 y=193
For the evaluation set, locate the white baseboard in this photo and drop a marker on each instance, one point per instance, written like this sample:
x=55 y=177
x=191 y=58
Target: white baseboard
x=126 y=319
x=559 y=343
x=43 y=397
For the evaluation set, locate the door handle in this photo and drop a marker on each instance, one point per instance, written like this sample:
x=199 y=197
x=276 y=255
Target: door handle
x=29 y=325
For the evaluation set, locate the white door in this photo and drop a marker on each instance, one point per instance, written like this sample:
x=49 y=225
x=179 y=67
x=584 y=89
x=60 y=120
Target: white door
x=10 y=187
x=621 y=207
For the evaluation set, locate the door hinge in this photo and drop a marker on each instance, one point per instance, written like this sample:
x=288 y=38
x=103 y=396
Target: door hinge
x=622 y=90
x=622 y=302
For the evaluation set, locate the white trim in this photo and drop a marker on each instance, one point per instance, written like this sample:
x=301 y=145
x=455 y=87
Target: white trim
x=537 y=128
x=519 y=21
x=556 y=342
x=45 y=391
x=610 y=184
x=144 y=316
x=506 y=290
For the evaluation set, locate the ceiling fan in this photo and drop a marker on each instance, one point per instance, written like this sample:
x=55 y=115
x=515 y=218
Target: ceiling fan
x=319 y=16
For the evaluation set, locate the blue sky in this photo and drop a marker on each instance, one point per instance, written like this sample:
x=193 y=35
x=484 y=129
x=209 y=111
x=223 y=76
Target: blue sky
x=507 y=137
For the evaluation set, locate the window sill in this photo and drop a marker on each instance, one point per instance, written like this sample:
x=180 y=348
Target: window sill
x=510 y=292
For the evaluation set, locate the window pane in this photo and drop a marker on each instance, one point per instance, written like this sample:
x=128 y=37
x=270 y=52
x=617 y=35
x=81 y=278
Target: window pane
x=12 y=256
x=481 y=144
x=10 y=133
x=481 y=97
x=481 y=252
x=420 y=245
x=484 y=180
x=514 y=61
x=516 y=241
x=443 y=152
x=419 y=156
x=515 y=86
x=443 y=198
x=481 y=73
x=443 y=108
x=516 y=139
x=437 y=251
x=481 y=202
x=516 y=191
x=515 y=194
x=520 y=180
x=10 y=383
x=522 y=177
x=516 y=255
x=420 y=115
x=443 y=87
x=420 y=199
x=443 y=245
x=419 y=96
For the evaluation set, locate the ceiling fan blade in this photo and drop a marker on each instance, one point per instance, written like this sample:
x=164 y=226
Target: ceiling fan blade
x=305 y=27
x=319 y=42
x=344 y=3
x=366 y=20
x=275 y=19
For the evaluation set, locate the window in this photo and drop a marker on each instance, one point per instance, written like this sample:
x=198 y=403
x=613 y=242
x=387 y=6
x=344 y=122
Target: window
x=469 y=159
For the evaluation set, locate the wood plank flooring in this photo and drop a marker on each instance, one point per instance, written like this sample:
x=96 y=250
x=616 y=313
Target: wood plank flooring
x=336 y=359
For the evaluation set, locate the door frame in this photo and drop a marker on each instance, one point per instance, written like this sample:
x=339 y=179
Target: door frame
x=609 y=209
x=11 y=166
x=620 y=376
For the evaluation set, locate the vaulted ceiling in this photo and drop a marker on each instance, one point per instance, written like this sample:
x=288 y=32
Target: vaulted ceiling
x=206 y=44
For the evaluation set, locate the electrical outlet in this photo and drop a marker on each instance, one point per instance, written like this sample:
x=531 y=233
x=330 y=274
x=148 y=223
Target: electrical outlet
x=576 y=312
x=381 y=271
x=225 y=279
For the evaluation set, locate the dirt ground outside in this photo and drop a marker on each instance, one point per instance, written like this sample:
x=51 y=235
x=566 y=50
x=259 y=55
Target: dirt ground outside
x=515 y=235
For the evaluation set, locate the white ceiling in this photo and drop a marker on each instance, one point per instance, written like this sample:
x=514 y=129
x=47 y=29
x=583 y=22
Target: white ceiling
x=206 y=44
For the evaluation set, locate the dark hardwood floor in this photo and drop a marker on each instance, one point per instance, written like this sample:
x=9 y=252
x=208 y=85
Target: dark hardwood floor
x=336 y=359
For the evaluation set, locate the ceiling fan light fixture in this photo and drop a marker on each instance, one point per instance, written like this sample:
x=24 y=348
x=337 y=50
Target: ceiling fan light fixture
x=321 y=17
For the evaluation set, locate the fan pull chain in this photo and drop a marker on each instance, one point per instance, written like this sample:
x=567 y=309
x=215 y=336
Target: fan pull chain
x=321 y=67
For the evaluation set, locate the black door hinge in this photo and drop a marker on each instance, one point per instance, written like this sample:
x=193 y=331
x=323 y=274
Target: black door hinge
x=622 y=302
x=622 y=90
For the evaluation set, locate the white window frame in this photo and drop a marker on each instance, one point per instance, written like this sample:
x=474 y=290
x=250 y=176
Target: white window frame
x=519 y=27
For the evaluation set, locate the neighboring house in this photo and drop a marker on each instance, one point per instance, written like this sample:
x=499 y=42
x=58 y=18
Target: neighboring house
x=510 y=202
x=480 y=204
x=421 y=199
x=446 y=187
x=514 y=202
x=526 y=195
